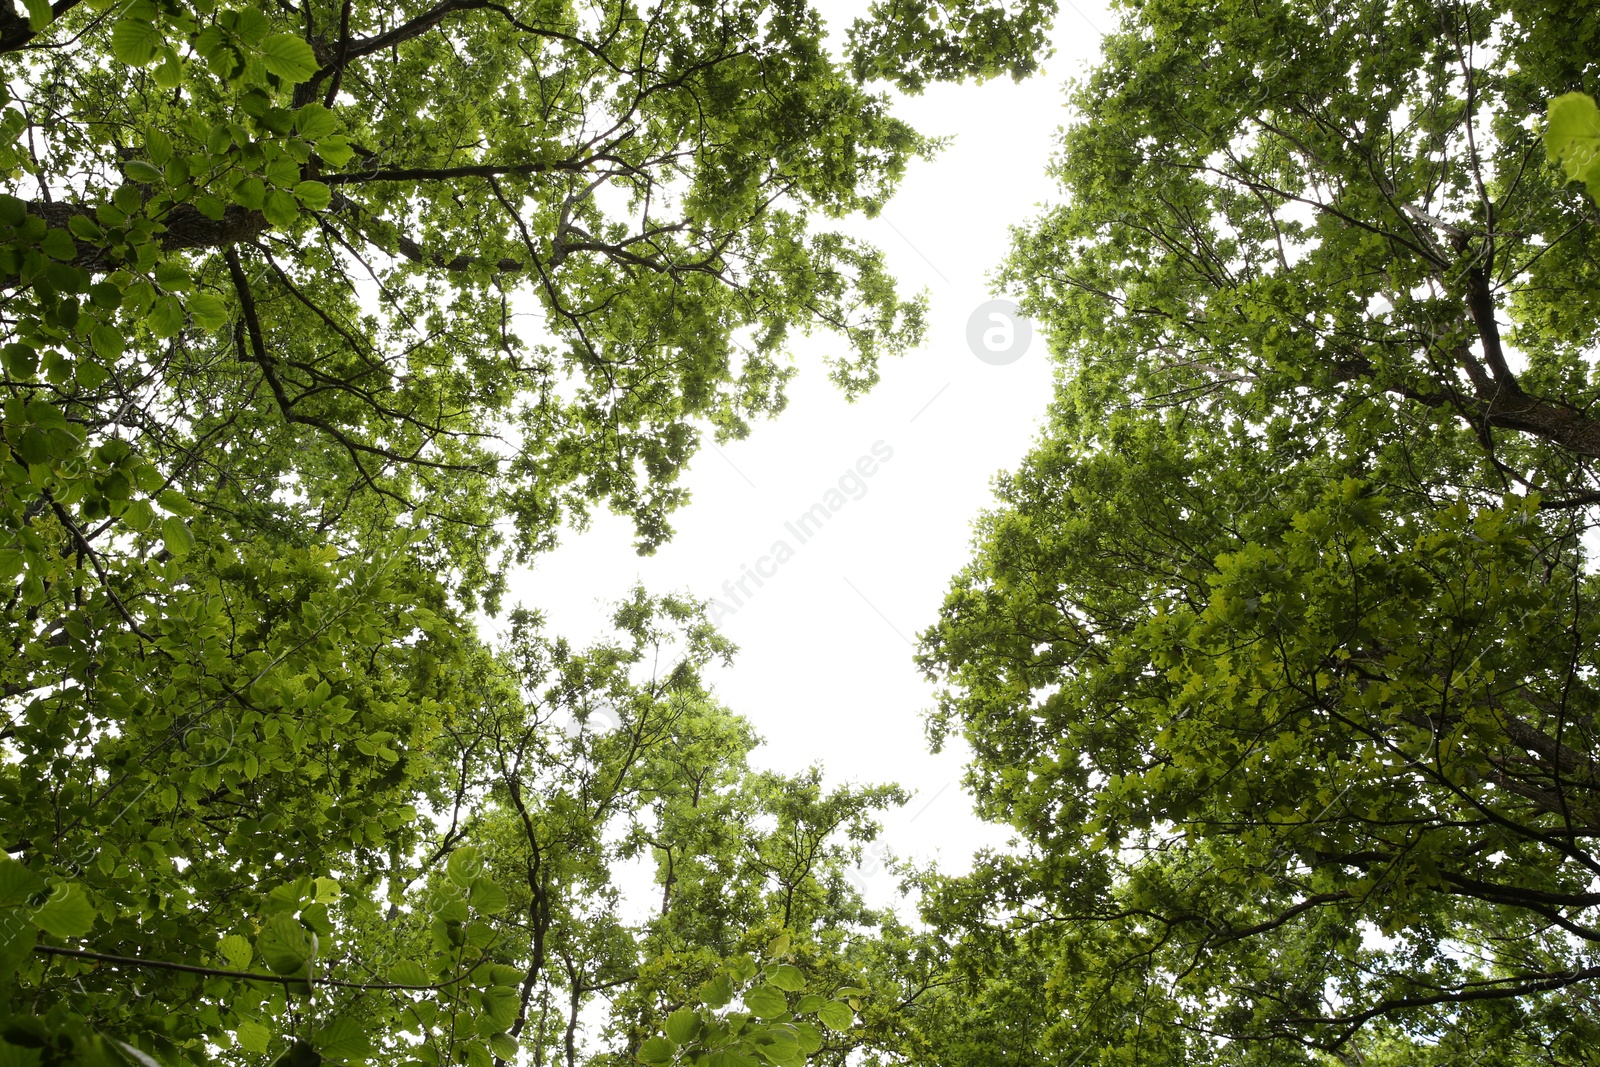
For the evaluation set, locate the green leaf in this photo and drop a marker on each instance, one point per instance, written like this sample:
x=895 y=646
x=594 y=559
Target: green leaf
x=135 y=41
x=285 y=946
x=250 y=193
x=159 y=146
x=808 y=1037
x=16 y=944
x=67 y=912
x=450 y=908
x=335 y=149
x=90 y=374
x=139 y=516
x=173 y=277
x=315 y=916
x=683 y=1026
x=313 y=121
x=464 y=865
x=208 y=310
x=280 y=208
x=283 y=172
x=836 y=1016
x=1572 y=138
x=46 y=415
x=288 y=57
x=176 y=537
x=58 y=244
x=299 y=1054
x=788 y=978
x=40 y=14
x=19 y=360
x=656 y=1050
x=252 y=1036
x=107 y=343
x=782 y=1055
x=210 y=206
x=17 y=883
x=487 y=897
x=314 y=195
x=166 y=317
x=504 y=1046
x=234 y=948
x=34 y=447
x=765 y=1001
x=343 y=1039
x=176 y=502
x=169 y=72
x=105 y=295
x=139 y=170
x=501 y=1004
x=409 y=972
x=503 y=974
x=716 y=992
x=84 y=228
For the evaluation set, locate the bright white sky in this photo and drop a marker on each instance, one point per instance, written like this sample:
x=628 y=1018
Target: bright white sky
x=825 y=670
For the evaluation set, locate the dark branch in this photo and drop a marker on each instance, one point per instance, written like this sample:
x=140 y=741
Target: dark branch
x=185 y=229
x=213 y=972
x=16 y=31
x=475 y=170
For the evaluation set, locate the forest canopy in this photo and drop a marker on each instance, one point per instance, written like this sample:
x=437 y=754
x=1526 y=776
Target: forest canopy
x=317 y=318
x=1277 y=653
x=1280 y=652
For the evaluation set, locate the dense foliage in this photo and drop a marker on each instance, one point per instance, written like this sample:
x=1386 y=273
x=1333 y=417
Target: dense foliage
x=475 y=857
x=1281 y=653
x=315 y=318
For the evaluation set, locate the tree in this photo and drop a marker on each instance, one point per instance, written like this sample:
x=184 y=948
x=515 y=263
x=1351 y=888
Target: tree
x=477 y=914
x=1280 y=651
x=316 y=318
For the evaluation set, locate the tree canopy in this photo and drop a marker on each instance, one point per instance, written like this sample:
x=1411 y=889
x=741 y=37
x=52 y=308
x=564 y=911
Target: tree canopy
x=316 y=317
x=1280 y=652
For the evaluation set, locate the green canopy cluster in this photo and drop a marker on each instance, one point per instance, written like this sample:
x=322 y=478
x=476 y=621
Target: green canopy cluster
x=314 y=319
x=1279 y=653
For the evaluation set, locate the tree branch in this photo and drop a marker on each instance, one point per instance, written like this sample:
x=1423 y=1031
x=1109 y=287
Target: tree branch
x=16 y=31
x=473 y=170
x=185 y=228
x=213 y=972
